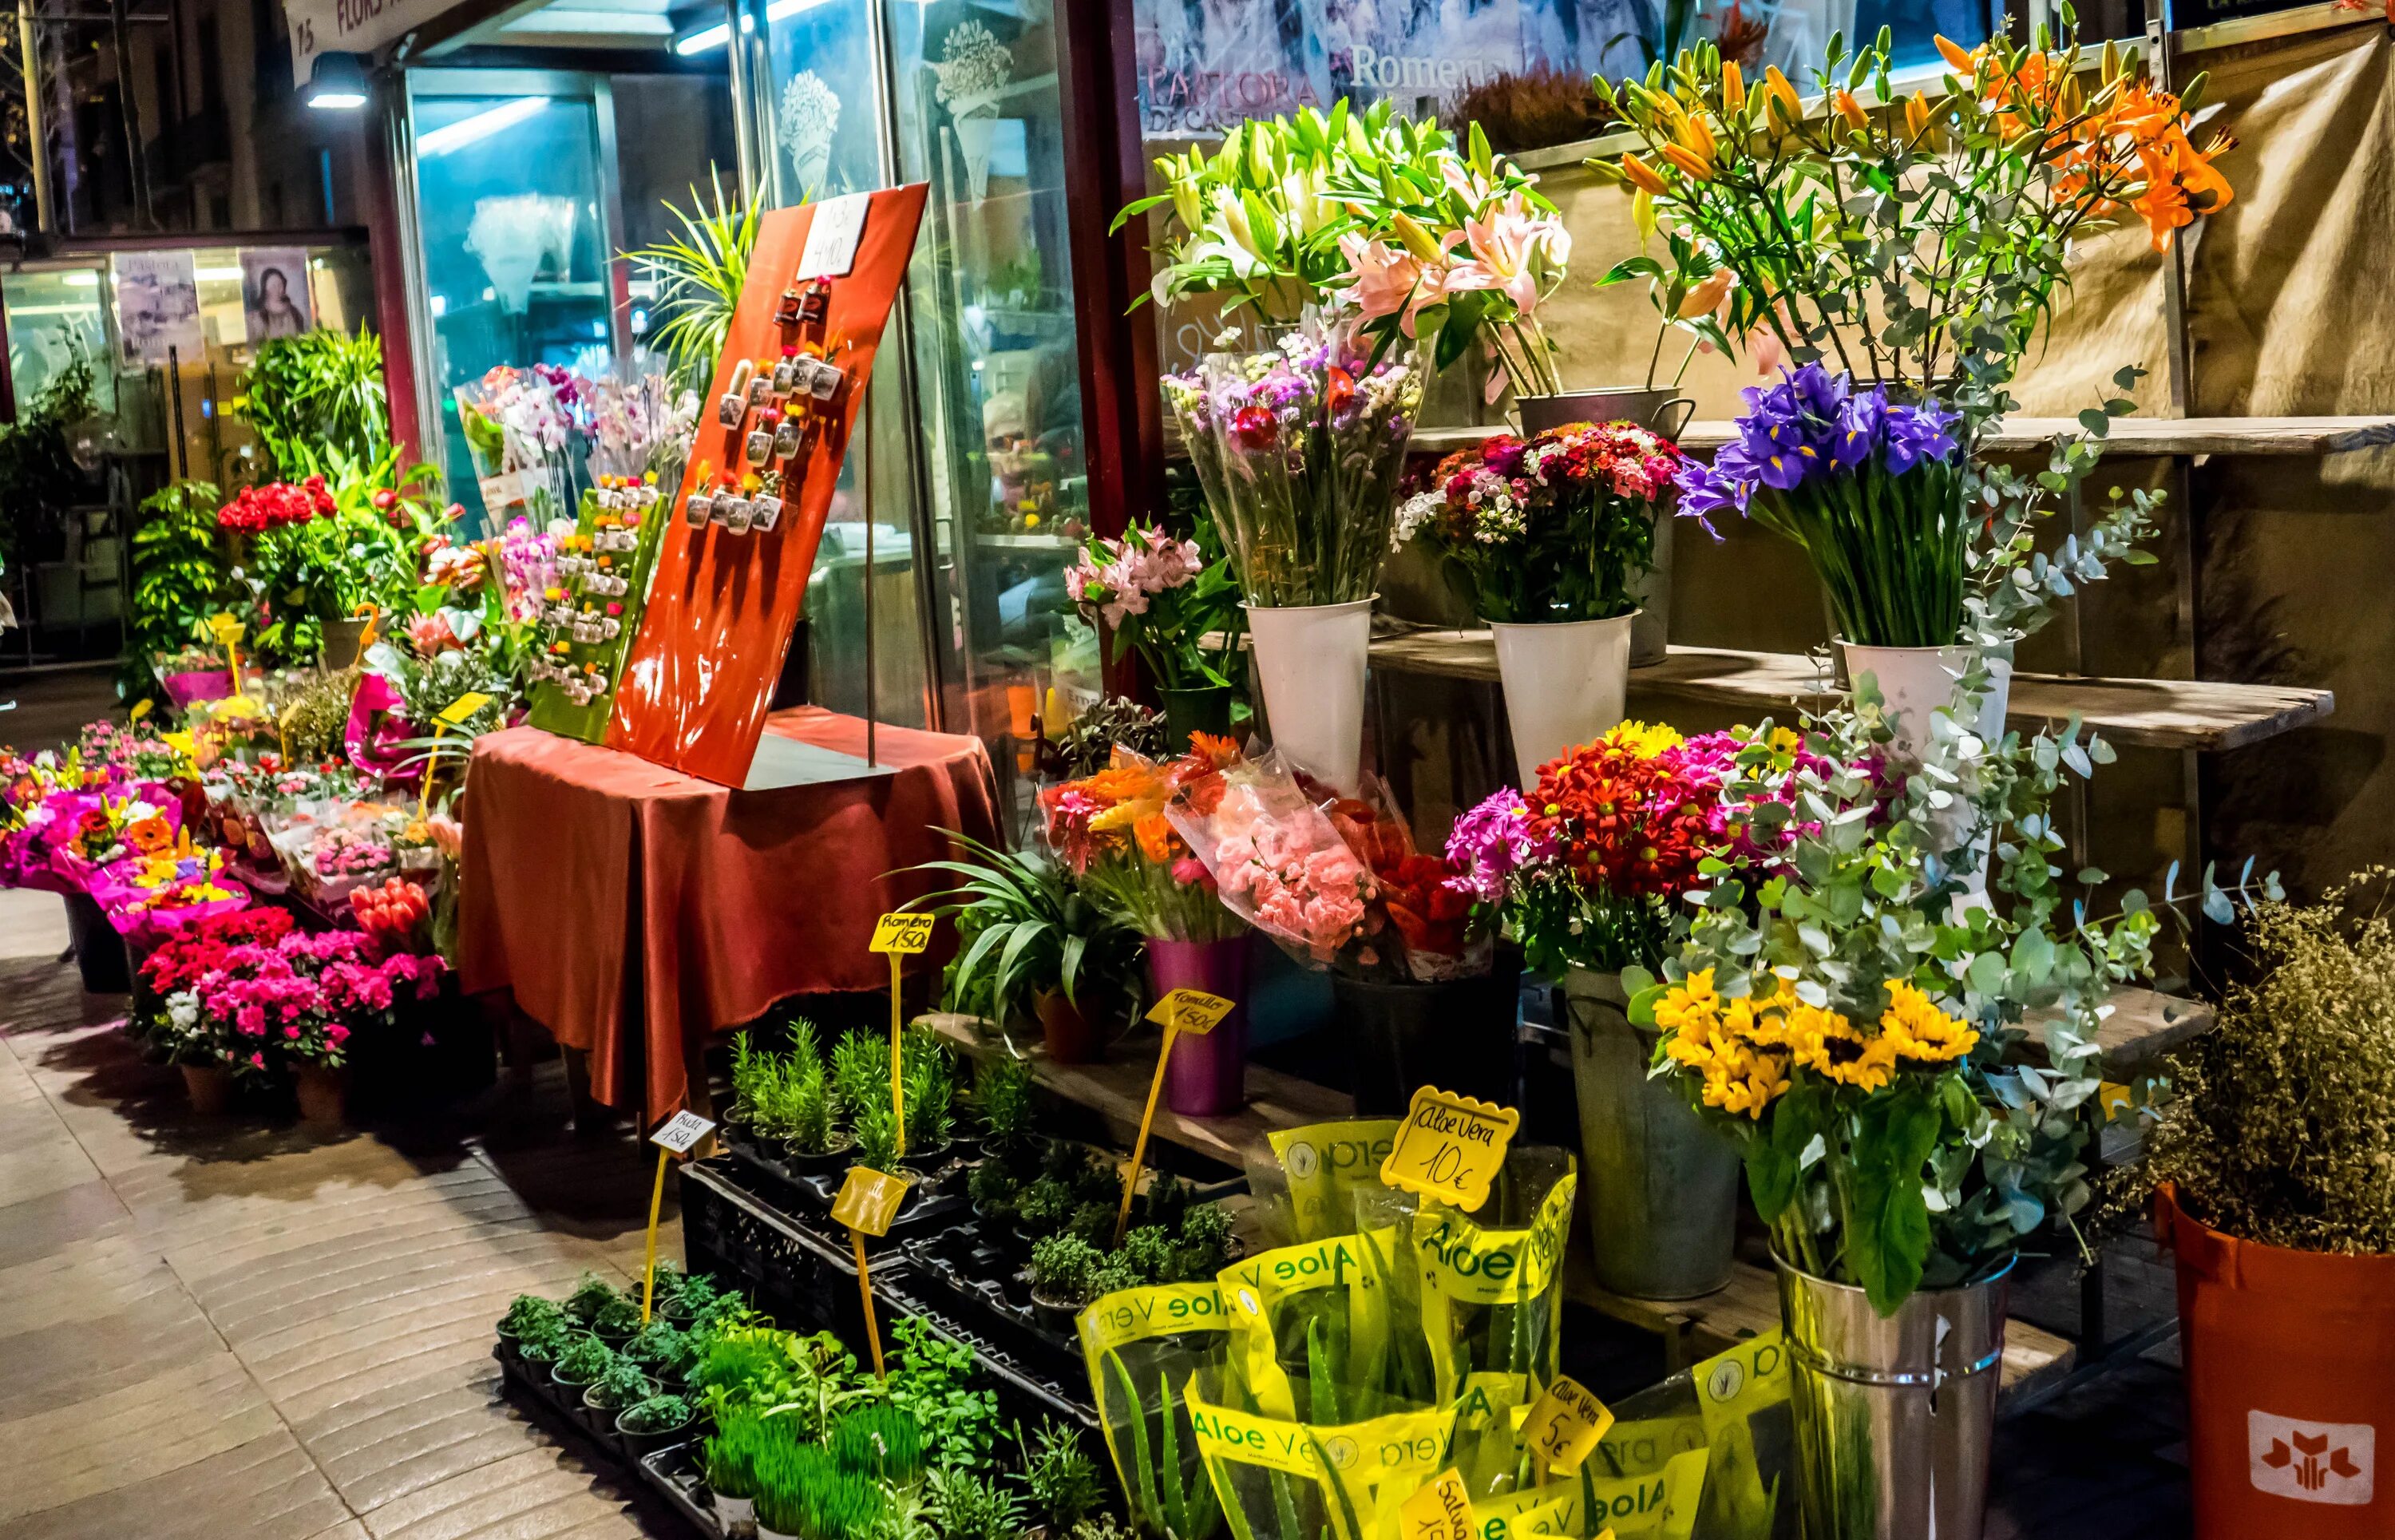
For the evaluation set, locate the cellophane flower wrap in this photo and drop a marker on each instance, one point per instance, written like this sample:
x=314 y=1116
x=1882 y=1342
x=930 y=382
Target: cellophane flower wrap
x=1336 y=881
x=1110 y=830
x=1873 y=489
x=1556 y=528
x=1299 y=452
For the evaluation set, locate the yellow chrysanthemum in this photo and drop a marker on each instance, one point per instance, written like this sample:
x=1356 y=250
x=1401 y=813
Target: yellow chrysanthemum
x=1645 y=740
x=1918 y=1032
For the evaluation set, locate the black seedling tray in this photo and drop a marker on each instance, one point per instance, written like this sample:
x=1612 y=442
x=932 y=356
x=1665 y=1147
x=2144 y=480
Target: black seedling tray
x=937 y=1200
x=977 y=1284
x=1026 y=1389
x=804 y=1279
x=673 y=1472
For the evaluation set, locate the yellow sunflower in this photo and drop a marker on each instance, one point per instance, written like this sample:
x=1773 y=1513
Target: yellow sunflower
x=1828 y=1044
x=1919 y=1031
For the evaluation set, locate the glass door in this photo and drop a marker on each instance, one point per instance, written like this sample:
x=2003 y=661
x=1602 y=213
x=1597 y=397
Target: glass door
x=518 y=222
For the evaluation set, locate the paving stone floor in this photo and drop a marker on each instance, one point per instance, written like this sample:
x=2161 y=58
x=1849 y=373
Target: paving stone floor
x=225 y=1328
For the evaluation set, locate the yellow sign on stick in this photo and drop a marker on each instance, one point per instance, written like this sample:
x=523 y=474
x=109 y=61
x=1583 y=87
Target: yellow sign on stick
x=899 y=935
x=1193 y=1012
x=465 y=706
x=1565 y=1424
x=868 y=1200
x=1449 y=1148
x=676 y=1135
x=903 y=935
x=1440 y=1512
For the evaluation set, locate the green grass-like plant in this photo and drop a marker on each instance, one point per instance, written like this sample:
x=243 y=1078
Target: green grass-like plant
x=699 y=273
x=1005 y=1094
x=1058 y=1474
x=879 y=1441
x=963 y=1504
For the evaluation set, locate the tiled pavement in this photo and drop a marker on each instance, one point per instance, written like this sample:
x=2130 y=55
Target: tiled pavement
x=227 y=1329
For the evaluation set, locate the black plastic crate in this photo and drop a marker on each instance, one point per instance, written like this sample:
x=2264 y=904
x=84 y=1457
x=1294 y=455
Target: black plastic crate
x=673 y=1472
x=937 y=1200
x=982 y=1286
x=805 y=1279
x=1025 y=1389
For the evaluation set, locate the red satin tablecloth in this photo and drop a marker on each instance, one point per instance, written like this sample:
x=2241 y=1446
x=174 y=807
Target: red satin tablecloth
x=630 y=908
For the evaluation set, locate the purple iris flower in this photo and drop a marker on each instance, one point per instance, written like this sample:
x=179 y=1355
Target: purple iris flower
x=1706 y=490
x=1915 y=435
x=1860 y=419
x=1818 y=392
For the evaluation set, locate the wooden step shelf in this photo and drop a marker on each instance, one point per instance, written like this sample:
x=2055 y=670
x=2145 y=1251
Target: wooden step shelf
x=1117 y=1089
x=2160 y=713
x=2129 y=435
x=2143 y=1027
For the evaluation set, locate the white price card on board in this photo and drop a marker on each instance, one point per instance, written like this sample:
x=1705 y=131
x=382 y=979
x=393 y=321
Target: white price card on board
x=833 y=235
x=682 y=1131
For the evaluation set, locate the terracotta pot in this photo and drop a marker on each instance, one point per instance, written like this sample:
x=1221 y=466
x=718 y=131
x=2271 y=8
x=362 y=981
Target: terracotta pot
x=323 y=1096
x=2289 y=1358
x=1072 y=1038
x=209 y=1087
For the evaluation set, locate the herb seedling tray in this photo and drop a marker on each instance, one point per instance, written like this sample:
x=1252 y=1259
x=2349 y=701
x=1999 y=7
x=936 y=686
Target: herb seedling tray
x=1026 y=1388
x=977 y=1284
x=802 y=1277
x=938 y=1199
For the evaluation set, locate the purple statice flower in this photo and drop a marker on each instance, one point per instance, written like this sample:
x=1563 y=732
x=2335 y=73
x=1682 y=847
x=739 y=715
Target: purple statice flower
x=1492 y=841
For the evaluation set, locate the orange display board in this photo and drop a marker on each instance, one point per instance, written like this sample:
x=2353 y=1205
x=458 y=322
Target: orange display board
x=698 y=683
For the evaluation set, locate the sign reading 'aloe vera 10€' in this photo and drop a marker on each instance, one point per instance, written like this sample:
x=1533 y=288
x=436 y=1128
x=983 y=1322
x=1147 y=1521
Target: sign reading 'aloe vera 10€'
x=1449 y=1148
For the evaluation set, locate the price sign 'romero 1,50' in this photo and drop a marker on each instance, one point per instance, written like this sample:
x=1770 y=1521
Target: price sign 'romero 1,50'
x=1449 y=1148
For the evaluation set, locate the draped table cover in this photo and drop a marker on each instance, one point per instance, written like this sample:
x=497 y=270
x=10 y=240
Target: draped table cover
x=633 y=910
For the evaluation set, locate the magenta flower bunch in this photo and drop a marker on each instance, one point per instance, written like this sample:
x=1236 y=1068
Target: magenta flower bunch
x=303 y=997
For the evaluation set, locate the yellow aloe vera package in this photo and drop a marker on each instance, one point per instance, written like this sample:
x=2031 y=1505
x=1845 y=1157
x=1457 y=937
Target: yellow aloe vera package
x=1143 y=1346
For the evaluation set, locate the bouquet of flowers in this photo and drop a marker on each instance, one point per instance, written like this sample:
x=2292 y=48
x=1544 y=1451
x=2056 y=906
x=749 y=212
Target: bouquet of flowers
x=1945 y=266
x=1161 y=596
x=1855 y=1028
x=1111 y=831
x=1299 y=453
x=1872 y=489
x=1555 y=528
x=517 y=423
x=1336 y=881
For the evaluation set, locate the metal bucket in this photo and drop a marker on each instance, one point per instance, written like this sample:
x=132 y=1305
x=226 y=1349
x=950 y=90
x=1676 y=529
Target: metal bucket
x=1660 y=1188
x=1894 y=1415
x=1667 y=412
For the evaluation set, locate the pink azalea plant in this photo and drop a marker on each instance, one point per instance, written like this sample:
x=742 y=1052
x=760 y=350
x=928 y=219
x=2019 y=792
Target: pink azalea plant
x=303 y=997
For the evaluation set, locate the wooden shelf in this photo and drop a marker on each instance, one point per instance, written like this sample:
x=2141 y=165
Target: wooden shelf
x=2130 y=435
x=2143 y=1027
x=1117 y=1089
x=2034 y=1361
x=2160 y=713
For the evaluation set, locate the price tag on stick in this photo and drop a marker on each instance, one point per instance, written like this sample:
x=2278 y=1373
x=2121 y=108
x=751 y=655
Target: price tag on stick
x=869 y=1201
x=676 y=1135
x=1191 y=1011
x=899 y=935
x=1441 y=1510
x=1449 y=1148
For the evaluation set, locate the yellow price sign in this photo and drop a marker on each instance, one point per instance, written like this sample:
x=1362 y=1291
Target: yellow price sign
x=225 y=628
x=903 y=935
x=1191 y=1011
x=868 y=1200
x=1441 y=1510
x=140 y=709
x=455 y=713
x=1565 y=1424
x=1449 y=1148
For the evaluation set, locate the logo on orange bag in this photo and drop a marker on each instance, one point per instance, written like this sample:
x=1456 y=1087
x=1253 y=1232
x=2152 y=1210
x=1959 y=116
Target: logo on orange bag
x=2311 y=1462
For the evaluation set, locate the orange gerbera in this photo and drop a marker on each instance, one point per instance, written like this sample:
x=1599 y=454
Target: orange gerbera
x=1157 y=840
x=149 y=835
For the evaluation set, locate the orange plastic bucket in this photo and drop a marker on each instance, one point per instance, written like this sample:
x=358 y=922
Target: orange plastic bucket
x=2290 y=1361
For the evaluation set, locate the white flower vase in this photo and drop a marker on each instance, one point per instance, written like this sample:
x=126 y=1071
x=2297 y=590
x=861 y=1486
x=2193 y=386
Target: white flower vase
x=1564 y=684
x=975 y=129
x=1915 y=683
x=1310 y=659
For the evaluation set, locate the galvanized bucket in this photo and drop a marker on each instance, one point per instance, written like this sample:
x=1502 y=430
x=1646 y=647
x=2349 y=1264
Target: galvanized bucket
x=1894 y=1415
x=1661 y=1189
x=1667 y=412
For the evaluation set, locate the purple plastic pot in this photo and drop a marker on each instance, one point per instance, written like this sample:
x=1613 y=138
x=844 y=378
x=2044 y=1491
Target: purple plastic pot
x=1208 y=1077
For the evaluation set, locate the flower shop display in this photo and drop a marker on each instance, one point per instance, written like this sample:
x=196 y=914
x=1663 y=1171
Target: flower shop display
x=1856 y=1031
x=1550 y=536
x=1160 y=596
x=2271 y=1152
x=592 y=607
x=1591 y=868
x=1111 y=832
x=1030 y=942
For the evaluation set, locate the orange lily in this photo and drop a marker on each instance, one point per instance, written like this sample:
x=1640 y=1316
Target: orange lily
x=1777 y=90
x=1733 y=86
x=1916 y=114
x=1640 y=174
x=1962 y=63
x=1851 y=110
x=1695 y=165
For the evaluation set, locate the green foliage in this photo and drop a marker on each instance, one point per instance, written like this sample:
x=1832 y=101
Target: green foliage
x=315 y=396
x=995 y=1189
x=1065 y=1269
x=1168 y=1498
x=1031 y=931
x=619 y=1317
x=875 y=1131
x=930 y=1090
x=1005 y=1094
x=963 y=1504
x=699 y=273
x=1058 y=1474
x=585 y=1361
x=39 y=479
x=180 y=577
x=664 y=1350
x=930 y=1380
x=655 y=1414
x=879 y=1441
x=743 y=1443
x=620 y=1384
x=531 y=1315
x=591 y=1293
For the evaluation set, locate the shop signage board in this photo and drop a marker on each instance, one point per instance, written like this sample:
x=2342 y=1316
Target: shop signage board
x=1191 y=1011
x=352 y=26
x=700 y=675
x=868 y=1200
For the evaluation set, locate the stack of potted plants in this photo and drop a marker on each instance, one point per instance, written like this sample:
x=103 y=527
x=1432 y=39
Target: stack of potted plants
x=804 y=1117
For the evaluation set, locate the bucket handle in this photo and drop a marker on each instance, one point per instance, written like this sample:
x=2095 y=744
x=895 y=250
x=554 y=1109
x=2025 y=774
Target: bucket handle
x=1656 y=421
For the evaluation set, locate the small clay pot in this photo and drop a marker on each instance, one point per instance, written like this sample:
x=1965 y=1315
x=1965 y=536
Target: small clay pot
x=209 y=1087
x=1071 y=1037
x=323 y=1094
